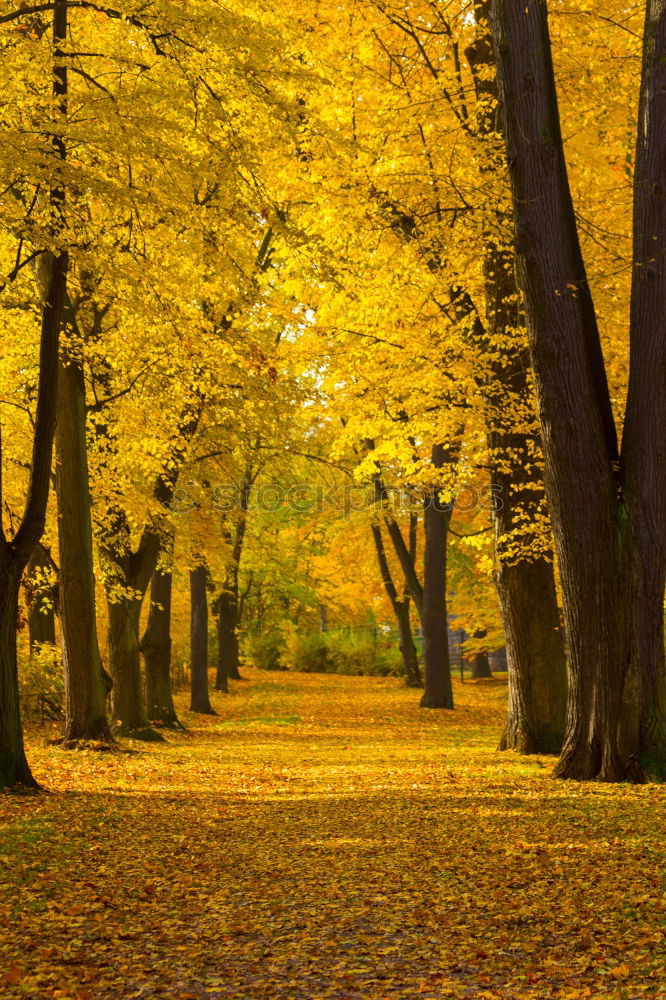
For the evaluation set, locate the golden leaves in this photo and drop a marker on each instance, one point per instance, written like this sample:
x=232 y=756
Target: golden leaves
x=253 y=856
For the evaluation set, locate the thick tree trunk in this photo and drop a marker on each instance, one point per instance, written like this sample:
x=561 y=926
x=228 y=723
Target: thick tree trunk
x=86 y=682
x=535 y=658
x=438 y=691
x=14 y=554
x=524 y=573
x=200 y=698
x=644 y=440
x=127 y=695
x=480 y=663
x=156 y=651
x=609 y=515
x=14 y=768
x=41 y=604
x=228 y=657
x=481 y=667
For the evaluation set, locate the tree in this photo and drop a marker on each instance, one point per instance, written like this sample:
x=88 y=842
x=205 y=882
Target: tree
x=400 y=605
x=607 y=504
x=15 y=552
x=156 y=651
x=200 y=698
x=87 y=683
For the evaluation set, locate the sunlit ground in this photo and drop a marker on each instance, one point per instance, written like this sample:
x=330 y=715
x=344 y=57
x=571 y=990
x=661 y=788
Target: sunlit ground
x=324 y=837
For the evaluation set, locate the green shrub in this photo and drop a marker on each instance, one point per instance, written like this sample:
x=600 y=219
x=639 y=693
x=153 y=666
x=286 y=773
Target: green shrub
x=42 y=684
x=266 y=650
x=362 y=654
x=309 y=654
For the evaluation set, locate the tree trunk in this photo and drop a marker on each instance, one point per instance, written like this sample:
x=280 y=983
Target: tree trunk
x=226 y=607
x=609 y=514
x=401 y=611
x=41 y=603
x=86 y=682
x=200 y=698
x=438 y=691
x=127 y=695
x=14 y=554
x=156 y=651
x=524 y=565
x=410 y=659
x=643 y=440
x=14 y=768
x=480 y=664
x=221 y=679
x=535 y=658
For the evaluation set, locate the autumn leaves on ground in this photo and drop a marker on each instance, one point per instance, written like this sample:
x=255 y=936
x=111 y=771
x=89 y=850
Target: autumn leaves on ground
x=323 y=837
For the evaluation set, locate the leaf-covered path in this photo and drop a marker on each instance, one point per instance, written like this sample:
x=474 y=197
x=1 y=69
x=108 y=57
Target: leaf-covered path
x=323 y=837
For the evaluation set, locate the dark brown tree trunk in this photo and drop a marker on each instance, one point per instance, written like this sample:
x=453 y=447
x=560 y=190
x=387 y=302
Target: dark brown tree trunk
x=401 y=612
x=481 y=667
x=407 y=564
x=644 y=440
x=86 y=682
x=227 y=640
x=156 y=651
x=127 y=695
x=480 y=664
x=609 y=514
x=438 y=691
x=221 y=635
x=535 y=657
x=14 y=554
x=14 y=769
x=41 y=602
x=410 y=659
x=524 y=567
x=200 y=698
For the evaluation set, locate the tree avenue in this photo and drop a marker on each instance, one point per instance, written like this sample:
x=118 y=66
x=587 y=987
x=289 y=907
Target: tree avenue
x=607 y=502
x=317 y=357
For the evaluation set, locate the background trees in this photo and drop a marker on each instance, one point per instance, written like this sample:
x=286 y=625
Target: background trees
x=281 y=248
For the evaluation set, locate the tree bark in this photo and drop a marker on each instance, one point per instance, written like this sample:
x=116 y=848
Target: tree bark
x=524 y=565
x=127 y=695
x=14 y=554
x=410 y=660
x=643 y=440
x=86 y=682
x=438 y=691
x=480 y=665
x=156 y=651
x=200 y=698
x=608 y=514
x=401 y=612
x=226 y=613
x=535 y=658
x=14 y=769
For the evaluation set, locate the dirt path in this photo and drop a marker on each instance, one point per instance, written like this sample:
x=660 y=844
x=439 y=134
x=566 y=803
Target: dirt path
x=323 y=837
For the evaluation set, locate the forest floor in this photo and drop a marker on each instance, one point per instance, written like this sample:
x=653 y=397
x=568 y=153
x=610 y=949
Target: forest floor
x=322 y=837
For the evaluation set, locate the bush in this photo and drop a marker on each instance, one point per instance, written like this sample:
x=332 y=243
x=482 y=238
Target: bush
x=363 y=655
x=353 y=654
x=309 y=654
x=42 y=684
x=266 y=650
